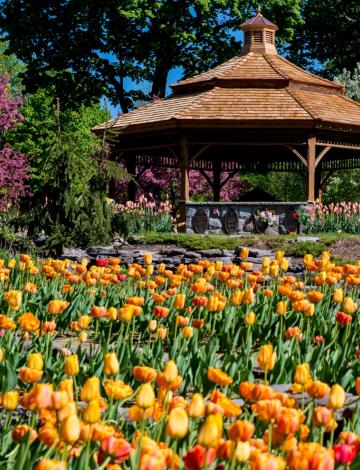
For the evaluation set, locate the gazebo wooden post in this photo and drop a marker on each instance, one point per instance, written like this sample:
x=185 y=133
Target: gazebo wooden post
x=184 y=177
x=318 y=189
x=216 y=180
x=310 y=175
x=131 y=169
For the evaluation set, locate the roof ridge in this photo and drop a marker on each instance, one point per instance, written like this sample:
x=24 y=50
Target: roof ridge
x=238 y=59
x=350 y=99
x=310 y=111
x=334 y=84
x=282 y=73
x=204 y=94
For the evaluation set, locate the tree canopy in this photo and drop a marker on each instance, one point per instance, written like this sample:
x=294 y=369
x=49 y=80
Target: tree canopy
x=328 y=38
x=90 y=49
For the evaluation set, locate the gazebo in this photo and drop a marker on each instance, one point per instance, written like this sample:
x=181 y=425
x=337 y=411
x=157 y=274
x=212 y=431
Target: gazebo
x=257 y=112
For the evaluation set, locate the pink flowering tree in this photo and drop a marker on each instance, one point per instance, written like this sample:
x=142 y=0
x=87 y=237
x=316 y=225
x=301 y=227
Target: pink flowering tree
x=165 y=183
x=14 y=166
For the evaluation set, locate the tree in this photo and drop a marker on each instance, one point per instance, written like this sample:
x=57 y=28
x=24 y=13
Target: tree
x=328 y=38
x=351 y=82
x=89 y=49
x=14 y=166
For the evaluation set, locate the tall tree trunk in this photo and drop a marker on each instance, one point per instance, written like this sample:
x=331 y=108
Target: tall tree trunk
x=160 y=80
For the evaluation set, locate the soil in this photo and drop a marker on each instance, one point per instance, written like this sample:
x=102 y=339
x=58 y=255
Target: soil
x=347 y=248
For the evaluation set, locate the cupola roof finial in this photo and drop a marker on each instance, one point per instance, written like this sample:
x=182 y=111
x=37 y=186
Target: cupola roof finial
x=259 y=9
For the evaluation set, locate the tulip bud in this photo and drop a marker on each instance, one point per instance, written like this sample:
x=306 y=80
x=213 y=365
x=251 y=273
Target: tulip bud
x=242 y=451
x=179 y=301
x=111 y=364
x=10 y=400
x=59 y=399
x=197 y=406
x=147 y=258
x=357 y=385
x=241 y=430
x=2 y=355
x=152 y=325
x=91 y=389
x=66 y=385
x=92 y=412
x=266 y=357
x=338 y=296
x=302 y=374
x=250 y=318
x=187 y=332
x=70 y=429
x=178 y=423
x=211 y=431
x=336 y=397
x=35 y=361
x=281 y=307
x=170 y=372
x=72 y=365
x=84 y=321
x=244 y=253
x=145 y=398
x=83 y=336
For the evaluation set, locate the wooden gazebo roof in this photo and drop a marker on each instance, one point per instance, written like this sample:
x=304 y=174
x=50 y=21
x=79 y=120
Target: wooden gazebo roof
x=255 y=100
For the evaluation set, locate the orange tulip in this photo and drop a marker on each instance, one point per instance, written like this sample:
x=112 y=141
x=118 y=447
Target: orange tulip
x=268 y=410
x=219 y=377
x=241 y=430
x=266 y=357
x=317 y=389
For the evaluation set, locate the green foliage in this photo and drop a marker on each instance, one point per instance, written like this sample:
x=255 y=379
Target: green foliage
x=351 y=81
x=90 y=49
x=328 y=38
x=282 y=186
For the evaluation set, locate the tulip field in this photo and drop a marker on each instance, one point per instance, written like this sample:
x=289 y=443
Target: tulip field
x=108 y=366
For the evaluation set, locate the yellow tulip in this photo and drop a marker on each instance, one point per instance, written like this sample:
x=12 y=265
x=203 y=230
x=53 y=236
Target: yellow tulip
x=336 y=397
x=72 y=365
x=90 y=390
x=35 y=361
x=211 y=431
x=145 y=398
x=10 y=400
x=92 y=412
x=70 y=429
x=266 y=357
x=197 y=406
x=178 y=423
x=302 y=374
x=111 y=364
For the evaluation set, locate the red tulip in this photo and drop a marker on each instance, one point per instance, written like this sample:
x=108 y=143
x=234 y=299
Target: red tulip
x=101 y=263
x=199 y=457
x=344 y=453
x=343 y=318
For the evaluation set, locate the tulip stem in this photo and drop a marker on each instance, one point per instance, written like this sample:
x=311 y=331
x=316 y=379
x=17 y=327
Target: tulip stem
x=270 y=437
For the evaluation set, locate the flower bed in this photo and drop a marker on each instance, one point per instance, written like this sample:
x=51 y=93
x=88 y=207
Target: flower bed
x=162 y=359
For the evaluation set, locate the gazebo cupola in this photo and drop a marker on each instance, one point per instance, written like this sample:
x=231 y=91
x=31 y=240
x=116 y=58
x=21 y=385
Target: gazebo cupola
x=259 y=35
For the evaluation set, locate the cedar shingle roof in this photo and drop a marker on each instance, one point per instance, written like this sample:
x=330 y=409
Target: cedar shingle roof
x=250 y=89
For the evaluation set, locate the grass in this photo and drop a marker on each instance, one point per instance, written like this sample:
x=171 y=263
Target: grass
x=286 y=243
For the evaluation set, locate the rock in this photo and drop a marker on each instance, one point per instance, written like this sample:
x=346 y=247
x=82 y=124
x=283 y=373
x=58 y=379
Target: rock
x=303 y=239
x=296 y=268
x=215 y=224
x=211 y=253
x=249 y=227
x=172 y=251
x=271 y=231
x=74 y=254
x=282 y=230
x=101 y=251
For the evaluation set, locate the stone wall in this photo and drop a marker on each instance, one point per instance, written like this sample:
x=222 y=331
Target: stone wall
x=238 y=217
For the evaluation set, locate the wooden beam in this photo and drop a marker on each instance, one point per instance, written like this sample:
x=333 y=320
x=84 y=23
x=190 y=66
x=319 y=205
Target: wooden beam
x=230 y=175
x=297 y=153
x=216 y=180
x=184 y=167
x=338 y=146
x=310 y=180
x=131 y=169
x=321 y=155
x=210 y=182
x=199 y=152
